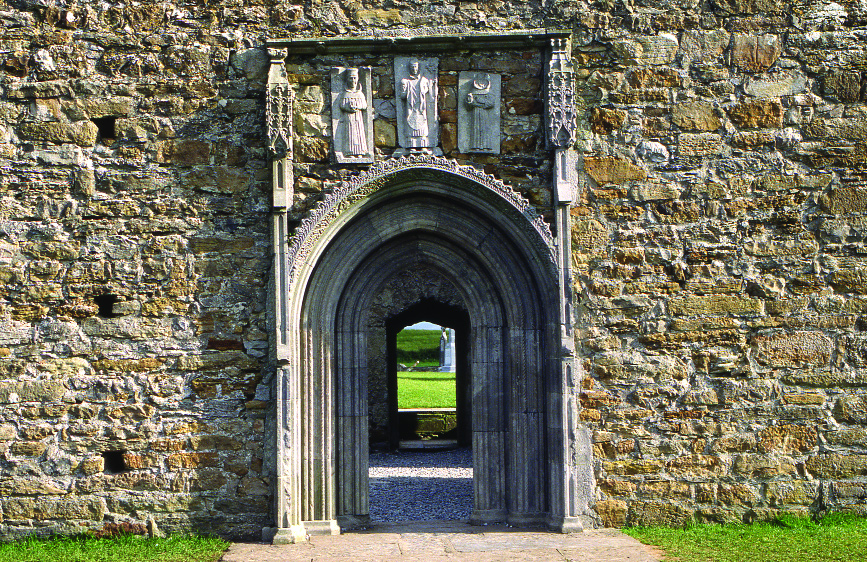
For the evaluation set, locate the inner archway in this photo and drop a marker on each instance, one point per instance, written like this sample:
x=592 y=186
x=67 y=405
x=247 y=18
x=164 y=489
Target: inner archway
x=452 y=317
x=466 y=232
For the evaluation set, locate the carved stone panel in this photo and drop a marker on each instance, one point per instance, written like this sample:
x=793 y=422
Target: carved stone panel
x=352 y=115
x=415 y=85
x=479 y=112
x=560 y=118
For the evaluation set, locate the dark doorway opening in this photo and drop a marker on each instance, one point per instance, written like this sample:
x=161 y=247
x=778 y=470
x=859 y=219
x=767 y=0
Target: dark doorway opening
x=448 y=316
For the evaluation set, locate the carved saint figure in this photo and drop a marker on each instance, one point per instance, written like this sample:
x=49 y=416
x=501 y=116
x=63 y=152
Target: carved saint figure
x=416 y=89
x=480 y=101
x=353 y=103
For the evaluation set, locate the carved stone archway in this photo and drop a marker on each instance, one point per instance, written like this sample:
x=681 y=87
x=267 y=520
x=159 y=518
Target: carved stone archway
x=530 y=458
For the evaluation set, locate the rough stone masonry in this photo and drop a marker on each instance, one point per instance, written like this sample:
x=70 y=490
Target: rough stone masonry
x=718 y=248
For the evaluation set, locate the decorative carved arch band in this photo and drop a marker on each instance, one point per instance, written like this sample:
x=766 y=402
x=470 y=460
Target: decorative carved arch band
x=400 y=169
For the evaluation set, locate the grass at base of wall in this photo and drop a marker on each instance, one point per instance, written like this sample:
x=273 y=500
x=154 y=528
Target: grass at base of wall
x=425 y=389
x=125 y=548
x=837 y=537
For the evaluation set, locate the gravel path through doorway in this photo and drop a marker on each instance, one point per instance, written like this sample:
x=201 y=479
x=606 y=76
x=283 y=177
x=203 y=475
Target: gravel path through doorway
x=421 y=486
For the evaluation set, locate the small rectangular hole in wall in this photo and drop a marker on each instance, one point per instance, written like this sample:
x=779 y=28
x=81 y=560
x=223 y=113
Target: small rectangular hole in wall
x=105 y=126
x=106 y=305
x=114 y=463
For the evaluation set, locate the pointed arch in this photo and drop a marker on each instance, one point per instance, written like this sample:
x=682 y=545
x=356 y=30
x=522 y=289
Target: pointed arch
x=499 y=254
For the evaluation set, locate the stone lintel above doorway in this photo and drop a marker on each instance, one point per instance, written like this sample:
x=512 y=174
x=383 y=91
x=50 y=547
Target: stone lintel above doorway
x=522 y=39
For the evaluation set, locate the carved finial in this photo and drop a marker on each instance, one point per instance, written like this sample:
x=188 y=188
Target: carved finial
x=561 y=116
x=279 y=103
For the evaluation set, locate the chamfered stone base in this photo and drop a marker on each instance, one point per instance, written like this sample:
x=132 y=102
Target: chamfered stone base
x=324 y=527
x=349 y=522
x=487 y=516
x=565 y=524
x=526 y=519
x=290 y=535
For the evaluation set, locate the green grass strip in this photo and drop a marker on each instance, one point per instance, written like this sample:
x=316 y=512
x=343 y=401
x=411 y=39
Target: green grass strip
x=126 y=548
x=420 y=389
x=838 y=537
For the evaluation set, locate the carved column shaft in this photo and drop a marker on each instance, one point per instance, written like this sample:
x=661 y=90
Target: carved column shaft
x=567 y=493
x=279 y=106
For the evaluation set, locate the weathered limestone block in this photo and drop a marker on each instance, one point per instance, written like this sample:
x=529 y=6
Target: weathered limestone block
x=731 y=7
x=251 y=63
x=776 y=84
x=91 y=508
x=82 y=133
x=713 y=304
x=605 y=121
x=740 y=443
x=378 y=17
x=844 y=85
x=695 y=116
x=849 y=280
x=92 y=465
x=700 y=144
x=633 y=466
x=832 y=129
x=832 y=465
x=184 y=152
x=612 y=512
x=657 y=513
x=753 y=53
x=192 y=460
x=844 y=200
x=644 y=50
x=46 y=89
x=787 y=438
x=127 y=327
x=31 y=391
x=606 y=170
x=849 y=491
x=793 y=349
x=703 y=47
x=384 y=134
x=739 y=495
x=215 y=361
x=795 y=492
x=851 y=409
x=215 y=442
x=763 y=466
x=757 y=114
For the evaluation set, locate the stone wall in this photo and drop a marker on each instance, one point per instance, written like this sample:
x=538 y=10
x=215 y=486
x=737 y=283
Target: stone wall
x=717 y=245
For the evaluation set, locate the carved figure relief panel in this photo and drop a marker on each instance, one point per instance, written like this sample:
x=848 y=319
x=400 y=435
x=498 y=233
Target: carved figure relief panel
x=479 y=112
x=415 y=85
x=352 y=115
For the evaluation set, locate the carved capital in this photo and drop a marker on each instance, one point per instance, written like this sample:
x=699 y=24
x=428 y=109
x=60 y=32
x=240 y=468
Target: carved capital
x=560 y=118
x=276 y=55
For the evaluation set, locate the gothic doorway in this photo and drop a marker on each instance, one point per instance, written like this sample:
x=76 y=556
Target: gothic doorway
x=459 y=233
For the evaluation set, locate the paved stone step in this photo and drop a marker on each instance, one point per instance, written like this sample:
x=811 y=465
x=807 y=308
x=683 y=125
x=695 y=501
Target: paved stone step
x=452 y=540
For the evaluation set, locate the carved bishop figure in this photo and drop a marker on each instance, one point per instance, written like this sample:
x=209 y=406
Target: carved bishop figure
x=416 y=87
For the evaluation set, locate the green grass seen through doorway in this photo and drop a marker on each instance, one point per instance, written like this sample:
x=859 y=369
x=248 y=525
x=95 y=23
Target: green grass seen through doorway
x=420 y=389
x=418 y=345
